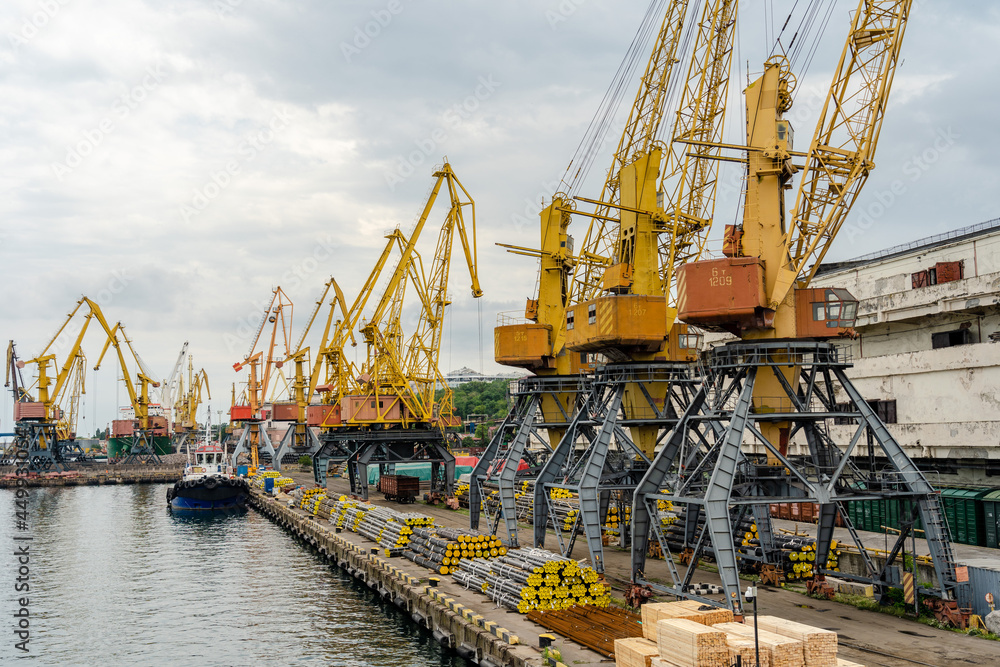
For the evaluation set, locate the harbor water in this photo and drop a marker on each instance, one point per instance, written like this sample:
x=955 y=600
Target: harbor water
x=115 y=578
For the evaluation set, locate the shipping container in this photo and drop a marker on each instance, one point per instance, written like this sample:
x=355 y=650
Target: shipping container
x=285 y=412
x=991 y=520
x=28 y=410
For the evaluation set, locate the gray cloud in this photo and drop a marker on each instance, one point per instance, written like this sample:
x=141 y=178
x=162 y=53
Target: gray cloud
x=173 y=107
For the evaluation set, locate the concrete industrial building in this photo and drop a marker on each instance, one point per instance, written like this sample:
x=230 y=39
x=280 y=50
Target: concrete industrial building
x=928 y=351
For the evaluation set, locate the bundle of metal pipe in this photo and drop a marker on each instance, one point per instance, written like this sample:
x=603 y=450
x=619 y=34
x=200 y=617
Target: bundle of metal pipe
x=389 y=528
x=442 y=549
x=798 y=553
x=531 y=578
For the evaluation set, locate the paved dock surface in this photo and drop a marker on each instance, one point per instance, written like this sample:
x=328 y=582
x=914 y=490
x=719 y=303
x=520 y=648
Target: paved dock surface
x=867 y=637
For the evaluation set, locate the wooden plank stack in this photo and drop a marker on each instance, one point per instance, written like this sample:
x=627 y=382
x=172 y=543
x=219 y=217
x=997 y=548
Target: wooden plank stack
x=688 y=635
x=747 y=650
x=684 y=643
x=635 y=652
x=690 y=610
x=783 y=651
x=819 y=646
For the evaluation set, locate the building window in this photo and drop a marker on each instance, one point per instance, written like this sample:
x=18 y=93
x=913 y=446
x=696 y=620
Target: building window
x=569 y=321
x=592 y=314
x=951 y=338
x=884 y=410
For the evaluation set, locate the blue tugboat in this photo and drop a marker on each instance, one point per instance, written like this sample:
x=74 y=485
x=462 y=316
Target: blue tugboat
x=207 y=485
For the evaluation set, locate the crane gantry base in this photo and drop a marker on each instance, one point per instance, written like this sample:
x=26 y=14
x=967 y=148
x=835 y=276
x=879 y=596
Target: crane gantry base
x=292 y=444
x=40 y=445
x=597 y=457
x=243 y=446
x=720 y=479
x=391 y=446
x=512 y=442
x=141 y=451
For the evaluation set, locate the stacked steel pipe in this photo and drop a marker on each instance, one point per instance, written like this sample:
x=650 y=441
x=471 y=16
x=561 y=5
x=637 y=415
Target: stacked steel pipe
x=798 y=553
x=442 y=549
x=529 y=578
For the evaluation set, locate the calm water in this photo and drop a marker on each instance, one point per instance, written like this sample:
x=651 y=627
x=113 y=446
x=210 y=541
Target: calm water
x=117 y=580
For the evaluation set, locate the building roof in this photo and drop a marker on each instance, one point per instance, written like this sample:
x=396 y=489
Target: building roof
x=938 y=240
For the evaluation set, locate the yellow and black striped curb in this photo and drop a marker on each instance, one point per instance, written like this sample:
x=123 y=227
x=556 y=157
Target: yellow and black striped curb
x=468 y=614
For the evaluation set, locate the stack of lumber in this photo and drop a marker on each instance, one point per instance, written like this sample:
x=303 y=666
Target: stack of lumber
x=782 y=651
x=819 y=646
x=635 y=652
x=690 y=610
x=746 y=650
x=684 y=643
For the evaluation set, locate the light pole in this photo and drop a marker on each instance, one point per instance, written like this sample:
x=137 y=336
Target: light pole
x=751 y=596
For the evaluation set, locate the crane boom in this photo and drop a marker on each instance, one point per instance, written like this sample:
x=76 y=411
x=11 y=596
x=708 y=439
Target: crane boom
x=841 y=154
x=639 y=137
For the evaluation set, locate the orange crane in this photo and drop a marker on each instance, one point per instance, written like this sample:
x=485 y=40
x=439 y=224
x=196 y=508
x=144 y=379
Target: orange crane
x=299 y=438
x=262 y=366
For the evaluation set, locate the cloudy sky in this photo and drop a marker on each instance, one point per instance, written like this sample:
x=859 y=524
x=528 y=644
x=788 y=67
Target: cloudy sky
x=175 y=161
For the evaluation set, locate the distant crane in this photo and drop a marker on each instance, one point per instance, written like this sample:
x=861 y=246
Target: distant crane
x=385 y=410
x=262 y=365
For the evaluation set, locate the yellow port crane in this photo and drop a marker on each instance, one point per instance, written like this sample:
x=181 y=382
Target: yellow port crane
x=647 y=221
x=608 y=299
x=186 y=409
x=262 y=365
x=141 y=448
x=42 y=427
x=767 y=397
x=299 y=438
x=386 y=410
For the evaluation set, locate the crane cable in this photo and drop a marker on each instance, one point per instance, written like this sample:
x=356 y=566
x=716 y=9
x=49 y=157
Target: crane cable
x=602 y=121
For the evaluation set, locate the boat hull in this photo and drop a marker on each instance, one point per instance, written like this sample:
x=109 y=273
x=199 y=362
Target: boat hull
x=212 y=493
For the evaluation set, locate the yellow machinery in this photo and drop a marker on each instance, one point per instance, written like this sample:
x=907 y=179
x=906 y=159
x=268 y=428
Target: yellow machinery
x=299 y=438
x=249 y=411
x=142 y=428
x=618 y=305
x=774 y=390
x=384 y=410
x=44 y=430
x=186 y=409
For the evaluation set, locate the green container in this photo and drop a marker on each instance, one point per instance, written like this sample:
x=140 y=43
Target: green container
x=991 y=519
x=122 y=446
x=964 y=510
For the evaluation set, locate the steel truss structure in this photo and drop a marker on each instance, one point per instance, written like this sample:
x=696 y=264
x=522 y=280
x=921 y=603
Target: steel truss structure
x=264 y=445
x=520 y=437
x=142 y=449
x=385 y=448
x=597 y=456
x=299 y=440
x=705 y=463
x=42 y=447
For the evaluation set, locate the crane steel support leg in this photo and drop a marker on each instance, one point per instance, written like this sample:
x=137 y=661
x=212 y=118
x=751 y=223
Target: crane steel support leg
x=508 y=504
x=479 y=472
x=241 y=445
x=765 y=531
x=548 y=474
x=719 y=491
x=653 y=481
x=288 y=441
x=590 y=482
x=928 y=501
